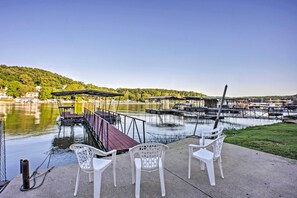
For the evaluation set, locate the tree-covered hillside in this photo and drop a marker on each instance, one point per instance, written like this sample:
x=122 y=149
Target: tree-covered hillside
x=20 y=80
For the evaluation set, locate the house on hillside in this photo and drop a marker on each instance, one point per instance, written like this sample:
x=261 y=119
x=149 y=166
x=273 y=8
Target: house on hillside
x=3 y=94
x=29 y=97
x=32 y=95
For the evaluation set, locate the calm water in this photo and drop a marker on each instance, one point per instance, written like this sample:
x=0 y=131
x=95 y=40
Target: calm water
x=32 y=133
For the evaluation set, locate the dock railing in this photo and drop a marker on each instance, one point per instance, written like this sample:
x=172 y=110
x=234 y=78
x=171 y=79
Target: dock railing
x=98 y=126
x=126 y=124
x=101 y=126
x=136 y=126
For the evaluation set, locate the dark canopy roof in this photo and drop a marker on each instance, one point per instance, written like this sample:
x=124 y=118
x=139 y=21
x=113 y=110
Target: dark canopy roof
x=199 y=98
x=164 y=98
x=88 y=92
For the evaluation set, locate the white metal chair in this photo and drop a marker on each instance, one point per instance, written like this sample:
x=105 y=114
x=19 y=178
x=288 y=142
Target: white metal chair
x=150 y=158
x=207 y=137
x=208 y=157
x=90 y=164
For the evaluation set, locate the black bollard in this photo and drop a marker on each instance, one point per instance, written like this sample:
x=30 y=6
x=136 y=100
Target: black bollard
x=25 y=171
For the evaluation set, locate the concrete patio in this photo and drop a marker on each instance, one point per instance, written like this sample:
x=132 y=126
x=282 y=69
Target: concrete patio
x=248 y=173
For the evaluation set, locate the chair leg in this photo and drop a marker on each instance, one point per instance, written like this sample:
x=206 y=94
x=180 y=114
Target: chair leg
x=189 y=167
x=77 y=181
x=210 y=171
x=90 y=177
x=133 y=173
x=221 y=167
x=161 y=172
x=202 y=165
x=97 y=183
x=114 y=175
x=137 y=185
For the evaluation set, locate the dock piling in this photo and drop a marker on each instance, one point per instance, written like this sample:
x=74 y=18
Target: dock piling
x=26 y=176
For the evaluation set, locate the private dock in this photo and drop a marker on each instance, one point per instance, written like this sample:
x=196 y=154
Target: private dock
x=100 y=123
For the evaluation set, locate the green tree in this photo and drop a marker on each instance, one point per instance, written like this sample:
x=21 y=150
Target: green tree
x=24 y=89
x=26 y=80
x=45 y=93
x=126 y=95
x=75 y=86
x=14 y=89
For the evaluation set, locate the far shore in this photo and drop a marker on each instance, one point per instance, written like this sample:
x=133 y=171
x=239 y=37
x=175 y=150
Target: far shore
x=48 y=101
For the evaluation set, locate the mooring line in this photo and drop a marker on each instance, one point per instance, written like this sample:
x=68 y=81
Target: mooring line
x=36 y=174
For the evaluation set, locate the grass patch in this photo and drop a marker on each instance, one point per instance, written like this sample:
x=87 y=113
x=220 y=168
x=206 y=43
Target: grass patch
x=279 y=139
x=293 y=117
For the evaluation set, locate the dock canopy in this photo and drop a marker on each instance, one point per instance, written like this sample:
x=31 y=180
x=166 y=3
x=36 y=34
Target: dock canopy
x=199 y=98
x=88 y=92
x=164 y=98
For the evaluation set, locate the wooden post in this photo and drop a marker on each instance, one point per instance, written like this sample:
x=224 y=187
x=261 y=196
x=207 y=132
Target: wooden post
x=25 y=171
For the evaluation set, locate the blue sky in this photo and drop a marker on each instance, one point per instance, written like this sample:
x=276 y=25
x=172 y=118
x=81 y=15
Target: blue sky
x=197 y=45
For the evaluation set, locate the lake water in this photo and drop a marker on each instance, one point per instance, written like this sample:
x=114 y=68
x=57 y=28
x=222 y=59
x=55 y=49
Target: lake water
x=32 y=132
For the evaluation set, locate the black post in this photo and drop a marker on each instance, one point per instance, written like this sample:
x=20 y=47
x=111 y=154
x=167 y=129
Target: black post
x=125 y=122
x=25 y=171
x=143 y=131
x=107 y=126
x=220 y=109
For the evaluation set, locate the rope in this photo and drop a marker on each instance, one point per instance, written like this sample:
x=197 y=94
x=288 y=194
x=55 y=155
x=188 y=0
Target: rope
x=36 y=174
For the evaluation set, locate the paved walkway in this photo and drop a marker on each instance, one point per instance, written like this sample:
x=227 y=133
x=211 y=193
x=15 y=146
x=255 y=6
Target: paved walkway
x=248 y=173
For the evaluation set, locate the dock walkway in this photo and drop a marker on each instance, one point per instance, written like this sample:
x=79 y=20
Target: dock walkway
x=110 y=137
x=119 y=141
x=248 y=173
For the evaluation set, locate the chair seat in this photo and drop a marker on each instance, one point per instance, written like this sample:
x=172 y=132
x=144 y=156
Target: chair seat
x=100 y=164
x=203 y=154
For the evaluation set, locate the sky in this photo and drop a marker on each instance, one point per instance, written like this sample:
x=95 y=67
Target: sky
x=192 y=45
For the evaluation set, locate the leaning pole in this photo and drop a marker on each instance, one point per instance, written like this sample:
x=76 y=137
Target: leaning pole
x=220 y=108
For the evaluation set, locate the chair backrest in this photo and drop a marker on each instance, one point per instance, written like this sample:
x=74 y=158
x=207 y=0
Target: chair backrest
x=213 y=134
x=150 y=154
x=85 y=154
x=217 y=146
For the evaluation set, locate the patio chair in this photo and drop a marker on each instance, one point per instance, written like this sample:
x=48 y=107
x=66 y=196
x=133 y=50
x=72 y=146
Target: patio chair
x=90 y=164
x=208 y=157
x=207 y=137
x=150 y=158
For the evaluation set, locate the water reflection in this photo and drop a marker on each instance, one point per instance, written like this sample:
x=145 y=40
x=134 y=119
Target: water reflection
x=31 y=118
x=67 y=136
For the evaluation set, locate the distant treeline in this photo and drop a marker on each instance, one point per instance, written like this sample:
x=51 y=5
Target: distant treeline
x=20 y=80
